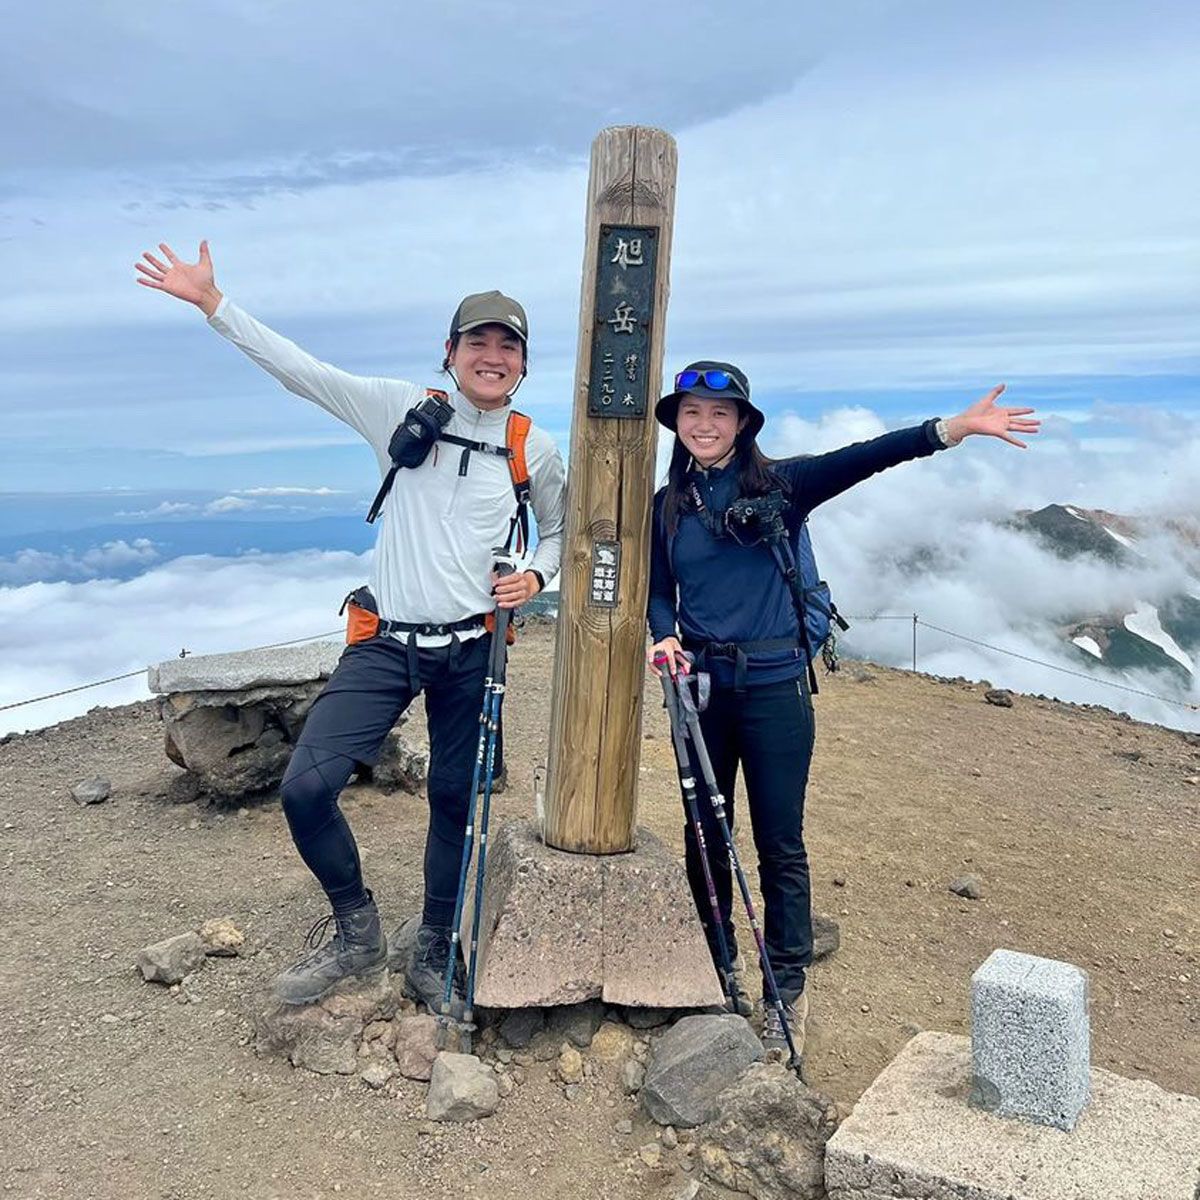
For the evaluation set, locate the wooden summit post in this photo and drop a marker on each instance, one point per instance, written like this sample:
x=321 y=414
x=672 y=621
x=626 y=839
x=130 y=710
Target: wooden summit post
x=595 y=719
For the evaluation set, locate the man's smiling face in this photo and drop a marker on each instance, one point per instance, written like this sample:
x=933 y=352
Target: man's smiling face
x=487 y=363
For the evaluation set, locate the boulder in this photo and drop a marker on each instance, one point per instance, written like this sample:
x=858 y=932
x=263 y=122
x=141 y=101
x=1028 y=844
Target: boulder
x=767 y=1136
x=696 y=1059
x=461 y=1088
x=171 y=959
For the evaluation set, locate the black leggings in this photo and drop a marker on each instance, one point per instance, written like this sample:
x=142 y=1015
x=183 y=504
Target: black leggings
x=365 y=696
x=769 y=731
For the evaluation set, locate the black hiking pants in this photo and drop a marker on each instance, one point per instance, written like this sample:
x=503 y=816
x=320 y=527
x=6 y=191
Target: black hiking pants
x=373 y=684
x=769 y=731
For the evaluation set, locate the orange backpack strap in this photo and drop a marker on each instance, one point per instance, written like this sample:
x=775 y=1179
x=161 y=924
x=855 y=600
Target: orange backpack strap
x=515 y=437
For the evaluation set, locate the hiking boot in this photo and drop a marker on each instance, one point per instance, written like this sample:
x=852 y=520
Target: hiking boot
x=797 y=1013
x=425 y=974
x=357 y=948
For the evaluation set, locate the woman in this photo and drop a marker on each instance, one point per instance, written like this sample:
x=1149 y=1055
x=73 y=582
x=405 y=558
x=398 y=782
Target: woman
x=717 y=591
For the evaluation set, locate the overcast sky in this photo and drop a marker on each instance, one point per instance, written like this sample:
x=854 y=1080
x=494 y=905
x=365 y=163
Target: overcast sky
x=883 y=209
x=892 y=205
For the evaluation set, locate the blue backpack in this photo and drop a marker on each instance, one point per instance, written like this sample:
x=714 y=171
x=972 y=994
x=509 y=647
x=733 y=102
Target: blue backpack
x=819 y=611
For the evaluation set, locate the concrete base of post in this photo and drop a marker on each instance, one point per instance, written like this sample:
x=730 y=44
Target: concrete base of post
x=914 y=1133
x=560 y=928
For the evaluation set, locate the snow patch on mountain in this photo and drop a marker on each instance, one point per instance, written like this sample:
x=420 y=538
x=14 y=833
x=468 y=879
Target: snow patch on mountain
x=1120 y=537
x=1144 y=623
x=1089 y=644
x=1075 y=513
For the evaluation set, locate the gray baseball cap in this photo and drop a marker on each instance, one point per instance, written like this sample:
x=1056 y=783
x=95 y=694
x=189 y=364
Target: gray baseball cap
x=490 y=308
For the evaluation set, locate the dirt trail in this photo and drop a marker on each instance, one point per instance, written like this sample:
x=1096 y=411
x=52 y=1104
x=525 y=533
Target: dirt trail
x=1084 y=829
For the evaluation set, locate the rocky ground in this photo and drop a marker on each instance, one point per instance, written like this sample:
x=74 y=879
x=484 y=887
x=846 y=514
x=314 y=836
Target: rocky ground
x=1081 y=828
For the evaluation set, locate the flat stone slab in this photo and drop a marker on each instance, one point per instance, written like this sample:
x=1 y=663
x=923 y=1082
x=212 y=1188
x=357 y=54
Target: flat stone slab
x=913 y=1134
x=559 y=928
x=246 y=668
x=1030 y=1038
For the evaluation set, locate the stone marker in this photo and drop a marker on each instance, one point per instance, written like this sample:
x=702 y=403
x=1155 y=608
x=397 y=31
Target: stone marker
x=560 y=928
x=692 y=1062
x=1030 y=1038
x=913 y=1134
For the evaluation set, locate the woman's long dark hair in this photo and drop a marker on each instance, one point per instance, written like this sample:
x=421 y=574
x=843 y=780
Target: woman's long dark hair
x=754 y=475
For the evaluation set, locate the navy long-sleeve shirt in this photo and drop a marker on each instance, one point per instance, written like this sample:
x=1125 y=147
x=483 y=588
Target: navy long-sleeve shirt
x=719 y=591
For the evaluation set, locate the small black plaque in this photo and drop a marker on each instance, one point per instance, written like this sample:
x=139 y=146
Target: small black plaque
x=603 y=590
x=626 y=267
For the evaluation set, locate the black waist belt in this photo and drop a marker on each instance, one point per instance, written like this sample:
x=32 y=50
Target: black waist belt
x=737 y=651
x=430 y=630
x=427 y=629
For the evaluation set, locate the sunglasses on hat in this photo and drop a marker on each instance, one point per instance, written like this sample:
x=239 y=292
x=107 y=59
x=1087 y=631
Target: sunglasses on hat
x=714 y=380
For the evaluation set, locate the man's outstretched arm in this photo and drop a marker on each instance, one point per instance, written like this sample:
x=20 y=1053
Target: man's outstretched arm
x=371 y=406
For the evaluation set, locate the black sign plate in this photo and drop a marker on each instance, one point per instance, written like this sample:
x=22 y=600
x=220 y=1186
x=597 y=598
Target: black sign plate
x=603 y=591
x=625 y=274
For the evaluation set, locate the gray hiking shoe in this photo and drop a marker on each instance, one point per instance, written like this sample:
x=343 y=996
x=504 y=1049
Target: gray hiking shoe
x=357 y=948
x=425 y=974
x=797 y=1014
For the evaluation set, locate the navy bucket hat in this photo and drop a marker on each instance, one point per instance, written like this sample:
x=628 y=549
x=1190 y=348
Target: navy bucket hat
x=711 y=380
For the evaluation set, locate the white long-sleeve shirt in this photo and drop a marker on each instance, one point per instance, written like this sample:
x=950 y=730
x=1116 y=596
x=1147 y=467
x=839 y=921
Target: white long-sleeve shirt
x=438 y=529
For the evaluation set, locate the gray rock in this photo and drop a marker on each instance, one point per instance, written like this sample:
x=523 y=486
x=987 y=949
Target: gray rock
x=92 y=791
x=377 y=1074
x=633 y=1075
x=1000 y=697
x=170 y=960
x=324 y=1037
x=403 y=764
x=310 y=1037
x=461 y=1088
x=573 y=1091
x=694 y=1061
x=625 y=1125
x=416 y=1046
x=577 y=1023
x=767 y=1136
x=967 y=886
x=827 y=936
x=246 y=668
x=521 y=1026
x=647 y=1018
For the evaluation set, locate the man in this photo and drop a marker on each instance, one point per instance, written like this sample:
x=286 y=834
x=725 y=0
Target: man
x=433 y=584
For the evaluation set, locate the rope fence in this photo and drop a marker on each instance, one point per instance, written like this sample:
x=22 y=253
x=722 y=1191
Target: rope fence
x=914 y=618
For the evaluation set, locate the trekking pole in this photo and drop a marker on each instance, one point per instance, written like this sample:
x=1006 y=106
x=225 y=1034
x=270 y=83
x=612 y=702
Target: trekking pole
x=505 y=564
x=484 y=756
x=687 y=783
x=692 y=718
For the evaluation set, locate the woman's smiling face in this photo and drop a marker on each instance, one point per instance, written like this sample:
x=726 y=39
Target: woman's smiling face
x=708 y=428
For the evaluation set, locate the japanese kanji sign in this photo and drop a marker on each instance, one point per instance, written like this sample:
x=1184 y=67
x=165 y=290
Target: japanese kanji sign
x=606 y=574
x=625 y=275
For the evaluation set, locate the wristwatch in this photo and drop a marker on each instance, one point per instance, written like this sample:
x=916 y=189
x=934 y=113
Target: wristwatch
x=540 y=578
